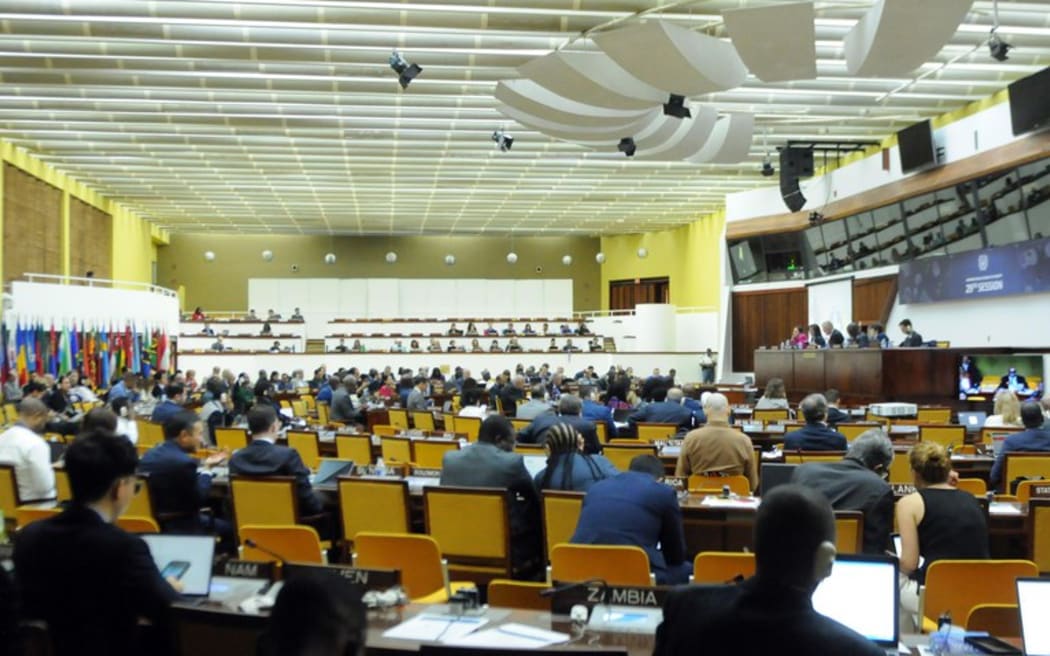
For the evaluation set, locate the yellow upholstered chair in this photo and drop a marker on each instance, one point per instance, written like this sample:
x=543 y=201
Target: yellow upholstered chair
x=395 y=449
x=423 y=420
x=324 y=414
x=469 y=426
x=900 y=469
x=1035 y=464
x=934 y=415
x=561 y=512
x=504 y=593
x=398 y=418
x=799 y=457
x=373 y=505
x=738 y=484
x=530 y=449
x=62 y=490
x=424 y=573
x=10 y=413
x=617 y=565
x=231 y=438
x=603 y=431
x=622 y=455
x=25 y=515
x=142 y=503
x=944 y=434
x=770 y=415
x=519 y=424
x=854 y=430
x=150 y=434
x=1039 y=533
x=136 y=524
x=450 y=422
x=1001 y=620
x=651 y=432
x=296 y=543
x=849 y=531
x=974 y=486
x=722 y=566
x=453 y=515
x=308 y=445
x=1027 y=490
x=956 y=586
x=299 y=409
x=989 y=435
x=310 y=401
x=9 y=500
x=264 y=501
x=354 y=447
x=429 y=453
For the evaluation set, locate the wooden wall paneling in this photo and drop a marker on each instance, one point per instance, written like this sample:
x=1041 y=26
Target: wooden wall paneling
x=873 y=299
x=32 y=225
x=856 y=370
x=91 y=239
x=773 y=363
x=764 y=319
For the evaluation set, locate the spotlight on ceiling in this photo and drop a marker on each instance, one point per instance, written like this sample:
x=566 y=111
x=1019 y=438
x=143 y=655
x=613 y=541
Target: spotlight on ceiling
x=600 y=257
x=512 y=257
x=390 y=257
x=450 y=259
x=406 y=72
x=329 y=258
x=627 y=146
x=209 y=256
x=816 y=218
x=503 y=140
x=267 y=255
x=566 y=260
x=767 y=167
x=998 y=48
x=675 y=107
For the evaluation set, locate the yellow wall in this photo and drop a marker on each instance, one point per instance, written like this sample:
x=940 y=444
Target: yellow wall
x=689 y=256
x=134 y=241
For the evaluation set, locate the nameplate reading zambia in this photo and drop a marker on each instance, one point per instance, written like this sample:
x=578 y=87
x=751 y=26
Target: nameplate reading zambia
x=615 y=595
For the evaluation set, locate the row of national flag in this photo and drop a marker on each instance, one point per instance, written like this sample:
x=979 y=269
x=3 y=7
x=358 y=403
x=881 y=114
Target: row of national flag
x=98 y=353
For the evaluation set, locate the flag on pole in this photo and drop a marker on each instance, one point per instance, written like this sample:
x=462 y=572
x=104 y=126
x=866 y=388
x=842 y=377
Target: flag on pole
x=22 y=358
x=66 y=360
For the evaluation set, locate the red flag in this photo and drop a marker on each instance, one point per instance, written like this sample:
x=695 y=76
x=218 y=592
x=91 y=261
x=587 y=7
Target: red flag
x=129 y=358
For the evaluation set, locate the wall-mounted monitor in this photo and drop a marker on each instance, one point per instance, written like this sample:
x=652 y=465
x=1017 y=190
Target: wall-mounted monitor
x=918 y=147
x=1030 y=102
x=744 y=262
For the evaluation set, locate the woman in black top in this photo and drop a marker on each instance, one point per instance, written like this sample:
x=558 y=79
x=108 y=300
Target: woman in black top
x=936 y=522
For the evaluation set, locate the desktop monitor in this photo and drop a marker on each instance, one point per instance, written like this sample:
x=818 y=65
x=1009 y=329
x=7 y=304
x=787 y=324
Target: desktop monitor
x=1033 y=600
x=187 y=558
x=862 y=593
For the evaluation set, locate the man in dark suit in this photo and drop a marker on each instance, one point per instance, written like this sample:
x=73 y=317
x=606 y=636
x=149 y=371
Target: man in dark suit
x=835 y=416
x=262 y=457
x=175 y=396
x=177 y=489
x=815 y=435
x=634 y=508
x=597 y=412
x=1032 y=438
x=569 y=409
x=912 y=339
x=666 y=408
x=85 y=577
x=835 y=338
x=511 y=393
x=491 y=462
x=770 y=613
x=857 y=483
x=1013 y=381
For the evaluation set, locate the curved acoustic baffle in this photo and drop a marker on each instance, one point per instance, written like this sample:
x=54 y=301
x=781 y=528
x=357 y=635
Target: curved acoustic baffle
x=777 y=43
x=594 y=137
x=730 y=140
x=673 y=58
x=897 y=36
x=688 y=139
x=531 y=98
x=591 y=78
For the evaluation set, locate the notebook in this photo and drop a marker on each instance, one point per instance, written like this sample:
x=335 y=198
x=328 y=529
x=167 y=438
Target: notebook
x=1033 y=600
x=774 y=474
x=973 y=421
x=331 y=469
x=862 y=593
x=187 y=558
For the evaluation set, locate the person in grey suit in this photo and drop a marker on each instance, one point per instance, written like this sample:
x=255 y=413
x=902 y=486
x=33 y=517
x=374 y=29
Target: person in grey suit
x=417 y=398
x=569 y=409
x=490 y=462
x=535 y=406
x=342 y=408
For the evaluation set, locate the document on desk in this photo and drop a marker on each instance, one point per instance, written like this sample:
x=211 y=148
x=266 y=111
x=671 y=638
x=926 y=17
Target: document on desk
x=434 y=627
x=1003 y=508
x=730 y=504
x=510 y=636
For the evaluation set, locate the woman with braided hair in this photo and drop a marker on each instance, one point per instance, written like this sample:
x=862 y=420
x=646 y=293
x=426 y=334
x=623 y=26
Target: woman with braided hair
x=568 y=468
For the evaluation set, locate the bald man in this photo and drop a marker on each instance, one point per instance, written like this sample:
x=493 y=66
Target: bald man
x=23 y=446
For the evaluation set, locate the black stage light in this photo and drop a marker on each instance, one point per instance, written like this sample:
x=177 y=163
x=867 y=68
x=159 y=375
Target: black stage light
x=767 y=167
x=406 y=72
x=676 y=107
x=627 y=147
x=998 y=48
x=503 y=140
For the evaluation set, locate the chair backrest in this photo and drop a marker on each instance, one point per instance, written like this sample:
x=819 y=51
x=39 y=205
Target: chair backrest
x=849 y=531
x=934 y=415
x=10 y=413
x=1028 y=490
x=1039 y=533
x=944 y=434
x=395 y=449
x=770 y=414
x=372 y=505
x=299 y=409
x=722 y=566
x=470 y=426
x=423 y=420
x=429 y=453
x=398 y=418
x=324 y=412
x=651 y=432
x=621 y=455
x=975 y=486
x=519 y=424
x=309 y=400
x=738 y=484
x=456 y=530
x=989 y=434
x=852 y=431
x=561 y=512
x=25 y=515
x=295 y=542
x=308 y=445
x=150 y=434
x=529 y=449
x=9 y=500
x=602 y=429
x=900 y=469
x=1020 y=464
x=417 y=556
x=799 y=457
x=62 y=490
x=450 y=422
x=956 y=586
x=386 y=430
x=354 y=447
x=230 y=438
x=617 y=565
x=265 y=501
x=996 y=619
x=504 y=593
x=142 y=502
x=136 y=524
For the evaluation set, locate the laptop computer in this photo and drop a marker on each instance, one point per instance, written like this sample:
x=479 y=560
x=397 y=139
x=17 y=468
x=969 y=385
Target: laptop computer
x=534 y=464
x=187 y=558
x=331 y=469
x=773 y=474
x=1033 y=600
x=973 y=421
x=862 y=593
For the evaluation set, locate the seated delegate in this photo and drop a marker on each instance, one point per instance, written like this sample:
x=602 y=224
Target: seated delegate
x=568 y=468
x=815 y=435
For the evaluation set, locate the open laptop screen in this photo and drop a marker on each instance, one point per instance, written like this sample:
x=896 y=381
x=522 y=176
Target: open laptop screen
x=1033 y=599
x=187 y=558
x=973 y=421
x=862 y=594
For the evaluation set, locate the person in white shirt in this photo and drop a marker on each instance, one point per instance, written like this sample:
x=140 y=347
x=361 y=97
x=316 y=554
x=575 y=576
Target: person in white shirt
x=1007 y=410
x=472 y=404
x=23 y=446
x=126 y=425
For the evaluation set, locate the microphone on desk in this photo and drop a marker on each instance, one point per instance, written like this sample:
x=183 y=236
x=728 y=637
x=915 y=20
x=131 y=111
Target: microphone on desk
x=550 y=592
x=248 y=542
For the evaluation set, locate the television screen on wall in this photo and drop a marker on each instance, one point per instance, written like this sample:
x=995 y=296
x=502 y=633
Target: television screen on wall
x=916 y=147
x=1030 y=102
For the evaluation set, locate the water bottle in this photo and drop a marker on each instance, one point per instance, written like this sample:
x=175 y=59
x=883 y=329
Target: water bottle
x=380 y=467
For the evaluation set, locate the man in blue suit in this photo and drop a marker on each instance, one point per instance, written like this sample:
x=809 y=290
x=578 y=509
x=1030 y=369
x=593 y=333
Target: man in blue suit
x=598 y=412
x=634 y=508
x=174 y=397
x=177 y=489
x=569 y=409
x=262 y=457
x=666 y=408
x=1033 y=438
x=815 y=435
